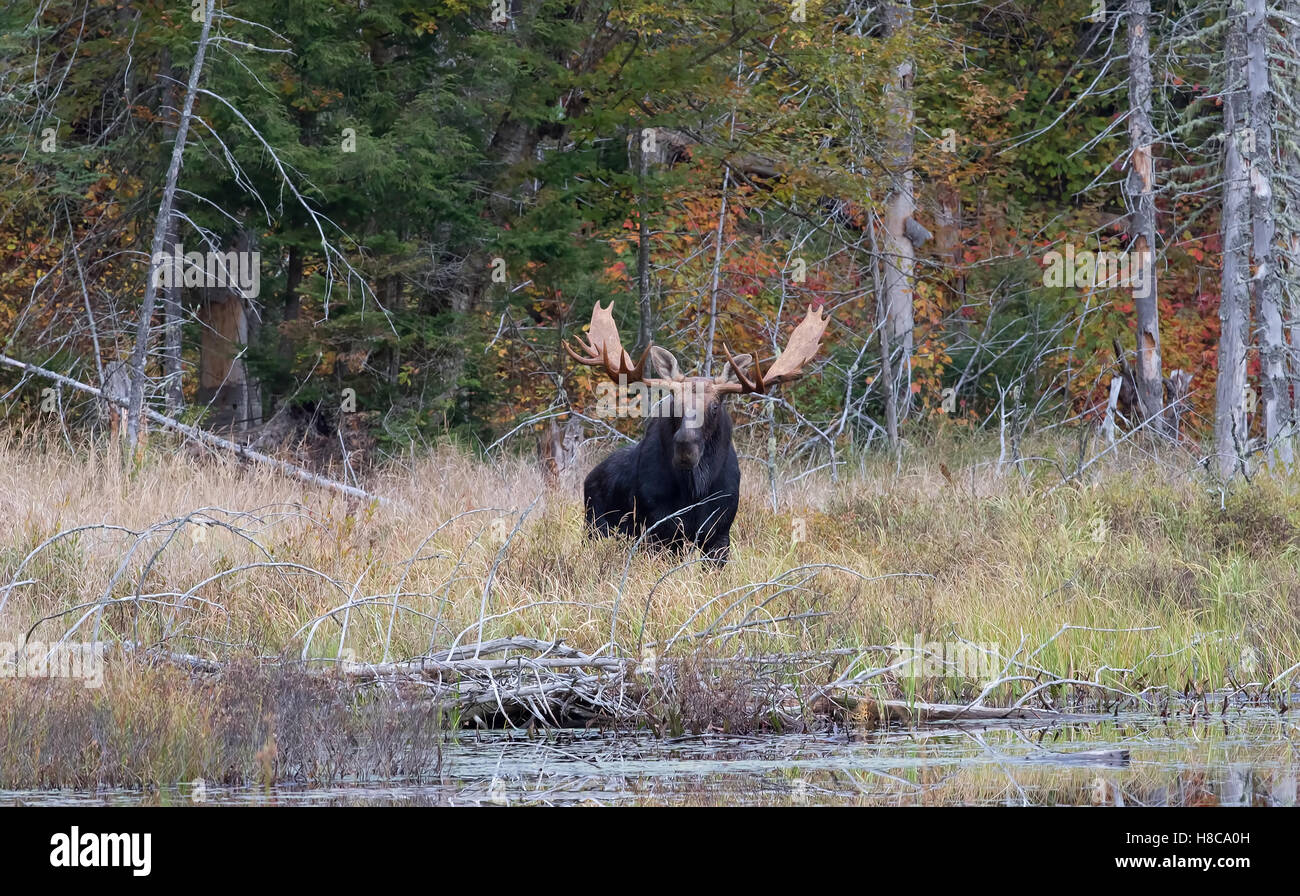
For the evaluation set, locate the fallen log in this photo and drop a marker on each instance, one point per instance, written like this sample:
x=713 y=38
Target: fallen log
x=357 y=671
x=199 y=435
x=1083 y=757
x=872 y=710
x=189 y=661
x=502 y=645
x=523 y=681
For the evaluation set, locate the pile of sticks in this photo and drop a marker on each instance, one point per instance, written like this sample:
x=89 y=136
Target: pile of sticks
x=517 y=681
x=521 y=681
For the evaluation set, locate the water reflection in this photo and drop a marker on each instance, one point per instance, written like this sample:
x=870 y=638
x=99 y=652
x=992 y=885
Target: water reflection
x=1244 y=759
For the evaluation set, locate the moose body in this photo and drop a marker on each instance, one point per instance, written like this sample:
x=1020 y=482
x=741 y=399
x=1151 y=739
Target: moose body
x=653 y=487
x=680 y=485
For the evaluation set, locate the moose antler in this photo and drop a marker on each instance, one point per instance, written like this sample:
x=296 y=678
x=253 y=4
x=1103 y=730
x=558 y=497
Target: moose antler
x=803 y=344
x=603 y=348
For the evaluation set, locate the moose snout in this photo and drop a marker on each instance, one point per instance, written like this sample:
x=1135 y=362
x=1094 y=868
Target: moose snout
x=687 y=448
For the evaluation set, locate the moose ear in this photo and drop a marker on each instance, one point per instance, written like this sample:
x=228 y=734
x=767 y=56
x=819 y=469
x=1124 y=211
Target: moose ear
x=744 y=362
x=665 y=365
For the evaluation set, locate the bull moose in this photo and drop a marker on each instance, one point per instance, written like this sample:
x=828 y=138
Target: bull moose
x=680 y=484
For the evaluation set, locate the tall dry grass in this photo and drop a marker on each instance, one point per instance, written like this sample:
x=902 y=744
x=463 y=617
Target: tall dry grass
x=1140 y=574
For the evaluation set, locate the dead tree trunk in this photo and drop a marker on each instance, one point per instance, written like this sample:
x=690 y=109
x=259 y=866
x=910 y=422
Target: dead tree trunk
x=196 y=434
x=253 y=313
x=173 y=383
x=887 y=383
x=720 y=236
x=645 y=324
x=140 y=351
x=1289 y=105
x=222 y=383
x=1142 y=224
x=1265 y=285
x=228 y=327
x=1230 y=433
x=899 y=253
x=173 y=372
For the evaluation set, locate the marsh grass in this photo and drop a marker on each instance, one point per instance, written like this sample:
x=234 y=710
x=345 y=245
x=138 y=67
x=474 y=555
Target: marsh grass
x=1138 y=575
x=155 y=725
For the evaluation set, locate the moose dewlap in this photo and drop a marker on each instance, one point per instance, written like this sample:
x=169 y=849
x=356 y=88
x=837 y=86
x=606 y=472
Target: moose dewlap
x=680 y=485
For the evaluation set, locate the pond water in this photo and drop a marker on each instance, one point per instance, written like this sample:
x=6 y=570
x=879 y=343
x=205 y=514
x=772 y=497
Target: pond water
x=1243 y=758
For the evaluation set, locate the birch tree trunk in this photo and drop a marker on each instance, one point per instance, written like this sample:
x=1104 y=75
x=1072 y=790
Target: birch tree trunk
x=1289 y=144
x=1230 y=435
x=719 y=236
x=173 y=382
x=899 y=253
x=645 y=323
x=162 y=224
x=887 y=382
x=1142 y=223
x=1267 y=289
